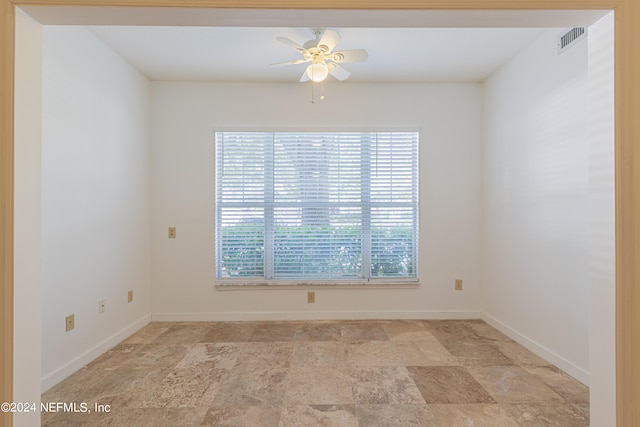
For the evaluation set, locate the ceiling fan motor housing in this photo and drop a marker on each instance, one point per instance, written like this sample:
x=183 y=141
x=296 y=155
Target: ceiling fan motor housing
x=314 y=47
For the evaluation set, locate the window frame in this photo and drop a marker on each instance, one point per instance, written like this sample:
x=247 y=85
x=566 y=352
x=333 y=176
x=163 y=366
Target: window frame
x=235 y=283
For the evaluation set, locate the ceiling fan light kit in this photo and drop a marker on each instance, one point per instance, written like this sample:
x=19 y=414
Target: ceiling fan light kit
x=317 y=72
x=324 y=62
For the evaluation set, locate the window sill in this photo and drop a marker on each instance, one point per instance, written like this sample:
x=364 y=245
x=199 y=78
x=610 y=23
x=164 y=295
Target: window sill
x=242 y=285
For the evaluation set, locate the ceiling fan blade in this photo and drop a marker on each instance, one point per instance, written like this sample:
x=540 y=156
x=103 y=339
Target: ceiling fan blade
x=338 y=72
x=305 y=77
x=355 y=55
x=329 y=40
x=294 y=62
x=291 y=43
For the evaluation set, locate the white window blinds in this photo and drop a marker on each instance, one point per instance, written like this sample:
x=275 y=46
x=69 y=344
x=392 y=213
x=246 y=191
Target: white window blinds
x=316 y=205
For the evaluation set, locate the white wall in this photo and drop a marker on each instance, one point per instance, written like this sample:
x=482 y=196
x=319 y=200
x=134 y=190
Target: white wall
x=536 y=204
x=95 y=199
x=27 y=217
x=602 y=261
x=184 y=116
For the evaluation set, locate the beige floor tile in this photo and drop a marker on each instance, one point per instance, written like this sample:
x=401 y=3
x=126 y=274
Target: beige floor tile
x=319 y=386
x=112 y=384
x=395 y=415
x=477 y=353
x=73 y=387
x=318 y=331
x=211 y=356
x=477 y=415
x=149 y=333
x=191 y=387
x=373 y=353
x=322 y=353
x=571 y=389
x=116 y=357
x=452 y=331
x=583 y=407
x=146 y=393
x=485 y=331
x=158 y=356
x=183 y=333
x=384 y=385
x=548 y=415
x=253 y=386
x=228 y=332
x=318 y=415
x=274 y=332
x=322 y=373
x=512 y=384
x=428 y=352
x=448 y=384
x=69 y=419
x=161 y=417
x=362 y=331
x=519 y=354
x=224 y=416
x=271 y=354
x=406 y=331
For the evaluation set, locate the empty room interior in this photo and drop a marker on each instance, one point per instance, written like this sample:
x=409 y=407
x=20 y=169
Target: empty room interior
x=120 y=118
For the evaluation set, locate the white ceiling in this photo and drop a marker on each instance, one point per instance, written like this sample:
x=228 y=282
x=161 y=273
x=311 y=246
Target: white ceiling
x=245 y=54
x=239 y=44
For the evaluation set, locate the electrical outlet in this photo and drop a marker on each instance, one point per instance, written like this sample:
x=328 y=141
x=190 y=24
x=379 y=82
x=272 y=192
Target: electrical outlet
x=130 y=295
x=69 y=322
x=311 y=297
x=458 y=284
x=172 y=232
x=102 y=306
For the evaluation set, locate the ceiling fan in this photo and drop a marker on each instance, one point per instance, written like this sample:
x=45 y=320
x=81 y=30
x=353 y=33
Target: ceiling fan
x=324 y=61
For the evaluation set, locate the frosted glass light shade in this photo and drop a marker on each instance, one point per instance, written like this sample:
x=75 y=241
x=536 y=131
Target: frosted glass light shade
x=317 y=72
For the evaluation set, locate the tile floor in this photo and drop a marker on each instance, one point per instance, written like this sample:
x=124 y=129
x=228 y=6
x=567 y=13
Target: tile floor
x=324 y=373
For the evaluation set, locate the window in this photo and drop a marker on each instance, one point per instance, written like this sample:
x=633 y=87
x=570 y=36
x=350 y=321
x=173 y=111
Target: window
x=316 y=206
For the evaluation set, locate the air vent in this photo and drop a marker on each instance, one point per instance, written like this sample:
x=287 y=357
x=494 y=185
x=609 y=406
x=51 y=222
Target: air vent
x=570 y=37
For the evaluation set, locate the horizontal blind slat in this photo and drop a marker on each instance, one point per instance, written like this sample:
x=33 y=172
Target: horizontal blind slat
x=312 y=208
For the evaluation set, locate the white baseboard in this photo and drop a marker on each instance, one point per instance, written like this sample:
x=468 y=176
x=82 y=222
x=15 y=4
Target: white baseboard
x=93 y=353
x=540 y=350
x=313 y=315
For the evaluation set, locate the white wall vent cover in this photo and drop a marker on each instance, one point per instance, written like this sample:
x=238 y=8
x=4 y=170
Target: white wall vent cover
x=570 y=37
